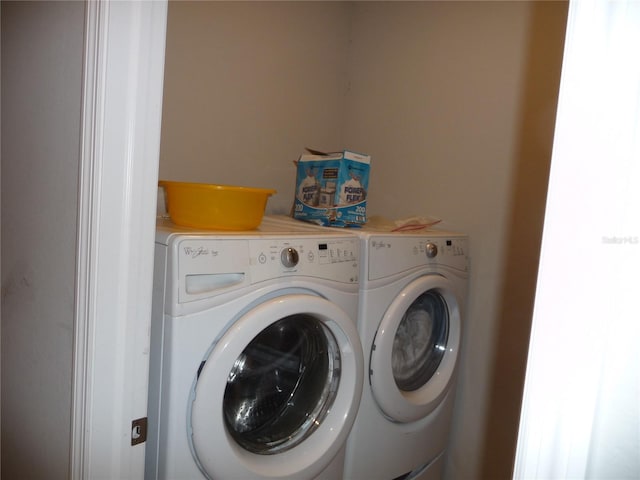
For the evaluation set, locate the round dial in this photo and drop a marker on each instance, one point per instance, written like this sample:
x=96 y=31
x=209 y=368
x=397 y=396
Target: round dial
x=432 y=250
x=289 y=257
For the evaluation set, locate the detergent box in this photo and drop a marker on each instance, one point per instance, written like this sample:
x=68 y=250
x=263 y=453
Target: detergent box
x=331 y=188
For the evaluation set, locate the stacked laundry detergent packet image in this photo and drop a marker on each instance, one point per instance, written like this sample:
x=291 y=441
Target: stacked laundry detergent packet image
x=331 y=188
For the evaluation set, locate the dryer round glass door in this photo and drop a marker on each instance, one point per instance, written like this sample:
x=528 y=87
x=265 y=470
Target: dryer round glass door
x=415 y=349
x=420 y=341
x=273 y=394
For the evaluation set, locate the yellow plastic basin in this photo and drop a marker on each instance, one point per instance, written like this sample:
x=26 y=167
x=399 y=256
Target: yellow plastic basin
x=215 y=207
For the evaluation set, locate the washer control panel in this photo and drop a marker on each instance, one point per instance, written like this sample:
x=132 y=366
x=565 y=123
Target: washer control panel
x=334 y=259
x=395 y=254
x=206 y=266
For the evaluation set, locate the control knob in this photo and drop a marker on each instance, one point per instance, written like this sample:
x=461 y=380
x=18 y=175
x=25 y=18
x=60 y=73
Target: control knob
x=432 y=250
x=289 y=257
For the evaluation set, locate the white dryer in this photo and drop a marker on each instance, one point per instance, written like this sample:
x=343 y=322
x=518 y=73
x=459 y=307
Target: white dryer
x=413 y=290
x=256 y=364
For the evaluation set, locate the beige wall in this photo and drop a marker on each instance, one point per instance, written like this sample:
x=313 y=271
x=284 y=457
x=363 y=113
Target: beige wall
x=41 y=105
x=248 y=86
x=455 y=101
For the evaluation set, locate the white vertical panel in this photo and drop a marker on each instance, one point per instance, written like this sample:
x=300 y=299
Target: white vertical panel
x=124 y=61
x=581 y=410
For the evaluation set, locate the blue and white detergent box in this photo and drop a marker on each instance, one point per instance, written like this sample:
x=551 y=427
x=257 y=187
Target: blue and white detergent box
x=331 y=188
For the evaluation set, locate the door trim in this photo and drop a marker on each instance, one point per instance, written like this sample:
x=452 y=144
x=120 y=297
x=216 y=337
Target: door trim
x=123 y=70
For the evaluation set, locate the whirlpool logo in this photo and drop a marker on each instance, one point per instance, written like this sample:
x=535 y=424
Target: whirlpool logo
x=195 y=252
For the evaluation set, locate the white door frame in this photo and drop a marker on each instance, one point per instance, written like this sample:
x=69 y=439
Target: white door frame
x=119 y=152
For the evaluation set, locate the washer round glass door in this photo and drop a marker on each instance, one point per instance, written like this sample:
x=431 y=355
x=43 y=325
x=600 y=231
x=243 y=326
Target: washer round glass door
x=415 y=349
x=272 y=397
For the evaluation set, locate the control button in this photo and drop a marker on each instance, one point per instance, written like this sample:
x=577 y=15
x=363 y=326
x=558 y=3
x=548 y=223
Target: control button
x=262 y=258
x=289 y=257
x=432 y=250
x=311 y=257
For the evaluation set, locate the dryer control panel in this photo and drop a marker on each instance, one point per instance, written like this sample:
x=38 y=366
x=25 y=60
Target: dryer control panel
x=396 y=254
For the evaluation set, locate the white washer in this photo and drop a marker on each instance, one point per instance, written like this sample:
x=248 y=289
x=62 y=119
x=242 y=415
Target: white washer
x=256 y=364
x=413 y=290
